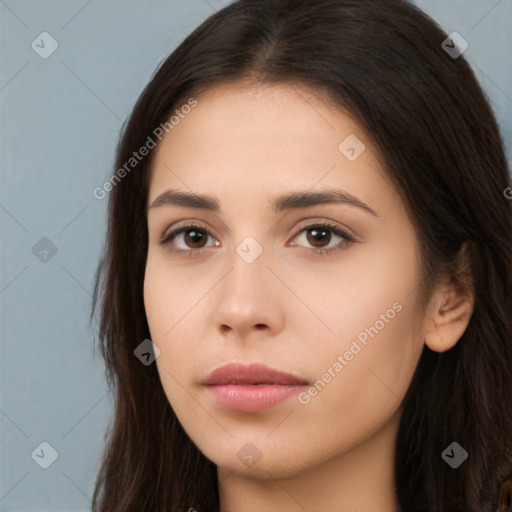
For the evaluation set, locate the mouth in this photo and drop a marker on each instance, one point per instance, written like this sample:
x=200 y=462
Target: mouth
x=252 y=387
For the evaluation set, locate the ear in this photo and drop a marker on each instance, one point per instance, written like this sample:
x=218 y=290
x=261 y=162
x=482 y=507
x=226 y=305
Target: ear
x=448 y=318
x=448 y=315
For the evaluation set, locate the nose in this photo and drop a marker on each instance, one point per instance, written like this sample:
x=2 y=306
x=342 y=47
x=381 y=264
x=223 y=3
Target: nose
x=250 y=301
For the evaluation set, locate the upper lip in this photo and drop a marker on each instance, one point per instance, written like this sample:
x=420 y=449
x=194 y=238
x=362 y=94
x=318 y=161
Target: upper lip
x=247 y=374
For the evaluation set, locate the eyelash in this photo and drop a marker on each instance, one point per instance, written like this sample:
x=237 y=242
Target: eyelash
x=167 y=238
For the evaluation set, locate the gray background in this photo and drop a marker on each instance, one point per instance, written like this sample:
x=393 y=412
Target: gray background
x=60 y=122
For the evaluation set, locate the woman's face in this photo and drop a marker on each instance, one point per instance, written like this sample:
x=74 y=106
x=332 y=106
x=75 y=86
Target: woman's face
x=244 y=284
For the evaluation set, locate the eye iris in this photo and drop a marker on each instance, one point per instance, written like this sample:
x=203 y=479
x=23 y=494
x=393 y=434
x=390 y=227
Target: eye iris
x=195 y=236
x=317 y=235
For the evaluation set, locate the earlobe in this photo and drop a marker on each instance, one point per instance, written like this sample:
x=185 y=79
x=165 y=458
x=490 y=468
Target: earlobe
x=448 y=319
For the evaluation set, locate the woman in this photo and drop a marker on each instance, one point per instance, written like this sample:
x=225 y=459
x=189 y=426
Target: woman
x=306 y=286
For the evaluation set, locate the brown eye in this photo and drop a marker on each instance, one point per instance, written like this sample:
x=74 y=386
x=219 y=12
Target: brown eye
x=318 y=236
x=194 y=238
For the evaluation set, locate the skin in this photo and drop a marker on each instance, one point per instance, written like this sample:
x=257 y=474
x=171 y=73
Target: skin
x=290 y=308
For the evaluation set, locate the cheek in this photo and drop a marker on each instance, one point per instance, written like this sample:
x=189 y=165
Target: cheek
x=370 y=298
x=368 y=385
x=163 y=312
x=169 y=295
x=172 y=300
x=376 y=347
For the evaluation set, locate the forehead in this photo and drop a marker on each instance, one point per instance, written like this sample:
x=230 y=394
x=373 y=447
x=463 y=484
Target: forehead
x=253 y=140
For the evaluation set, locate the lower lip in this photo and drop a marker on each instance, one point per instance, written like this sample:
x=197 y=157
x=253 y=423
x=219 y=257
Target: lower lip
x=252 y=398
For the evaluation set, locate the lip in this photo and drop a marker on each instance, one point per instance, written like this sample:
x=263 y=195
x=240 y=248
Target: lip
x=252 y=387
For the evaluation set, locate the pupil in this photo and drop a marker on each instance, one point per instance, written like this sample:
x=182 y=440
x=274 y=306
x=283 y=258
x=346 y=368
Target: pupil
x=195 y=236
x=318 y=234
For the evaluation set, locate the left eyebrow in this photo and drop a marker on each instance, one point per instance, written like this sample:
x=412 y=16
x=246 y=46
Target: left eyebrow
x=306 y=199
x=290 y=201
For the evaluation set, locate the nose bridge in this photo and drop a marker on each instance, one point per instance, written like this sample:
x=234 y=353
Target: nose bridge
x=249 y=268
x=248 y=299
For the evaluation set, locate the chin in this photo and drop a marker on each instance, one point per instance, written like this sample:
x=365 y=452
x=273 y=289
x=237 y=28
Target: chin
x=246 y=459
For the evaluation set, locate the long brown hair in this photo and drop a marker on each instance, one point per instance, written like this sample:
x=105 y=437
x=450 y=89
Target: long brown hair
x=383 y=62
